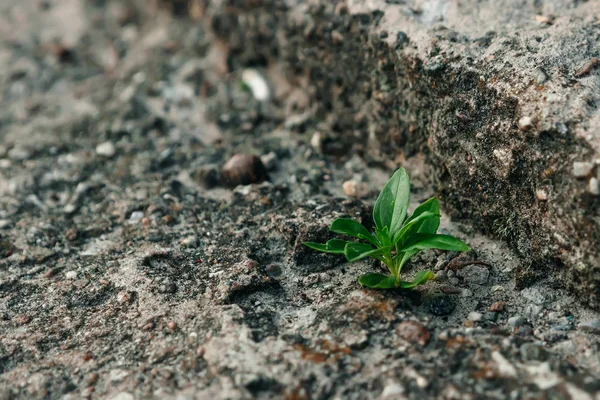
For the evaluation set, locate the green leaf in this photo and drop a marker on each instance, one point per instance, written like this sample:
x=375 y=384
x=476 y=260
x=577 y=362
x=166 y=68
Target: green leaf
x=352 y=228
x=335 y=246
x=377 y=281
x=421 y=278
x=358 y=251
x=382 y=211
x=392 y=203
x=384 y=236
x=423 y=241
x=405 y=257
x=430 y=225
x=413 y=226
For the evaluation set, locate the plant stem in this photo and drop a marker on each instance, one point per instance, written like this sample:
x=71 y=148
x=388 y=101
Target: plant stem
x=389 y=262
x=397 y=270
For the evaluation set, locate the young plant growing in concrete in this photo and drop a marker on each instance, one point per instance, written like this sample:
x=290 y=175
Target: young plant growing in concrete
x=396 y=239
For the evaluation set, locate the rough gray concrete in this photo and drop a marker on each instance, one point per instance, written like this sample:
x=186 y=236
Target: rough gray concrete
x=501 y=97
x=129 y=270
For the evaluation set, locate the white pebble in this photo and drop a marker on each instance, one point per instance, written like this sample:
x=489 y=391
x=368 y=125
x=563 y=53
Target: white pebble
x=392 y=391
x=317 y=141
x=106 y=149
x=541 y=195
x=582 y=169
x=475 y=316
x=356 y=189
x=257 y=84
x=136 y=217
x=422 y=382
x=71 y=275
x=594 y=186
x=525 y=123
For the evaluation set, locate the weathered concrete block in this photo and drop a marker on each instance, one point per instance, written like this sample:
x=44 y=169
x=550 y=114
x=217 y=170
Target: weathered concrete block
x=501 y=96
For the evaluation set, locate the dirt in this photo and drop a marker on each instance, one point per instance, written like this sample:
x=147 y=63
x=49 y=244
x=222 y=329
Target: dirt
x=129 y=270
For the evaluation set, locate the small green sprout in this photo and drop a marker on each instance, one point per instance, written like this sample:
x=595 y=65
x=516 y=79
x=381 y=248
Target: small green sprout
x=396 y=237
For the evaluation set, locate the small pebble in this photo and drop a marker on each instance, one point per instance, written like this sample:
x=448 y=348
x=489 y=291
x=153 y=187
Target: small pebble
x=440 y=264
x=243 y=169
x=525 y=123
x=541 y=195
x=453 y=280
x=540 y=76
x=544 y=19
x=516 y=321
x=475 y=316
x=167 y=286
x=124 y=297
x=414 y=332
x=257 y=84
x=172 y=325
x=356 y=189
x=450 y=290
x=440 y=275
x=51 y=272
x=317 y=141
x=136 y=217
x=582 y=169
x=71 y=234
x=594 y=186
x=147 y=327
x=106 y=149
x=422 y=382
x=392 y=391
x=71 y=275
x=497 y=306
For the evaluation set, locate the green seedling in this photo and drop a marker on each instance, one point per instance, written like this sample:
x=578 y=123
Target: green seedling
x=396 y=238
